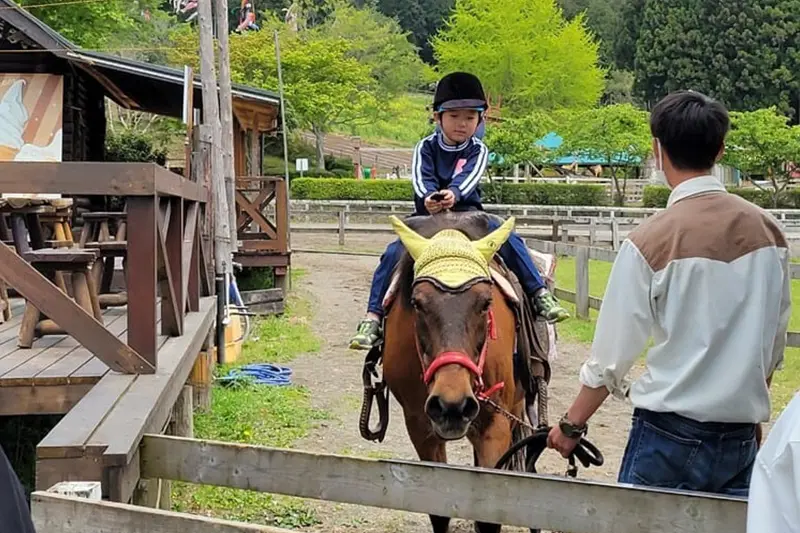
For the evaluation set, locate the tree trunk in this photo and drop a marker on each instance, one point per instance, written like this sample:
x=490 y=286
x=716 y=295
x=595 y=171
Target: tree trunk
x=618 y=194
x=319 y=137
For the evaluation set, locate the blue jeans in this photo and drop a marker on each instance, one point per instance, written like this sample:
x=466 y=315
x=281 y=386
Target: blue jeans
x=514 y=252
x=671 y=451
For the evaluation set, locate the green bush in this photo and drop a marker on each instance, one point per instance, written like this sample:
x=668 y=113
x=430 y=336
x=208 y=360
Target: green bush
x=339 y=163
x=394 y=190
x=133 y=147
x=657 y=196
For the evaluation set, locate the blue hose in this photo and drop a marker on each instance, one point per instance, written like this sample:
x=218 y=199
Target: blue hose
x=258 y=374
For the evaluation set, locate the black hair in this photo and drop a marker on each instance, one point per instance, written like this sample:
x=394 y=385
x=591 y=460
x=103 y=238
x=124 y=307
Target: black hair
x=691 y=128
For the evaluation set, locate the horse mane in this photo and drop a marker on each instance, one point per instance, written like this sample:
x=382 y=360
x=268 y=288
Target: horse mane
x=473 y=224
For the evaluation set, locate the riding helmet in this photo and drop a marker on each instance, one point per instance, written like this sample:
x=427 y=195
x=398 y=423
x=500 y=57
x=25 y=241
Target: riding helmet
x=459 y=90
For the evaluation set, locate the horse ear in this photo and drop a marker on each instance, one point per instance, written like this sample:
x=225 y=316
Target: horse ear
x=414 y=242
x=489 y=245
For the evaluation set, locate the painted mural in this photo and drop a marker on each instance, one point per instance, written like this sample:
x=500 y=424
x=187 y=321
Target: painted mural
x=31 y=108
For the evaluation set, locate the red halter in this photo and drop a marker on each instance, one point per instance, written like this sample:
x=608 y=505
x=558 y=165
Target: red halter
x=464 y=360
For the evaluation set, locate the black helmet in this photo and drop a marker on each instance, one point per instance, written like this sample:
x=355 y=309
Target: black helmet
x=459 y=90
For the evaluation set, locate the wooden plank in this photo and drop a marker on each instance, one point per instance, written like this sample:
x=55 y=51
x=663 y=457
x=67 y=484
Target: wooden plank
x=68 y=314
x=69 y=437
x=63 y=370
x=25 y=374
x=558 y=504
x=54 y=513
x=142 y=280
x=146 y=406
x=30 y=400
x=20 y=356
x=78 y=178
x=87 y=467
x=190 y=271
x=582 y=283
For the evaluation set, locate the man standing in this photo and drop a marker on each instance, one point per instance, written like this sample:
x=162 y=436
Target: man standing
x=774 y=501
x=708 y=279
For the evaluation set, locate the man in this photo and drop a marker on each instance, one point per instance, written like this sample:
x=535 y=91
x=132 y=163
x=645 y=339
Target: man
x=708 y=280
x=774 y=505
x=15 y=516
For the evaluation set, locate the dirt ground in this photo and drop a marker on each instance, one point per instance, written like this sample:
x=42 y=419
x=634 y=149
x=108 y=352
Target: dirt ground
x=338 y=288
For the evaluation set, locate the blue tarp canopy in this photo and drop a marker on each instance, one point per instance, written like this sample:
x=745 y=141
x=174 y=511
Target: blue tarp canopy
x=553 y=141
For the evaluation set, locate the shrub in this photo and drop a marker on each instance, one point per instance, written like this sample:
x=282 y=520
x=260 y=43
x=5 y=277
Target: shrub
x=133 y=147
x=394 y=190
x=339 y=163
x=657 y=196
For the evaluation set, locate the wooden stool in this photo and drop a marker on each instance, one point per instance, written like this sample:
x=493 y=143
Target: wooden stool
x=72 y=260
x=5 y=304
x=96 y=235
x=61 y=233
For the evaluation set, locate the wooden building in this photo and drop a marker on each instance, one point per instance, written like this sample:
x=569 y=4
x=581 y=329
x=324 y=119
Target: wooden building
x=89 y=77
x=114 y=372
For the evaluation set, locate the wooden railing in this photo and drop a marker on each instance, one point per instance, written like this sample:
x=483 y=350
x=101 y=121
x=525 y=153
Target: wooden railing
x=262 y=227
x=166 y=254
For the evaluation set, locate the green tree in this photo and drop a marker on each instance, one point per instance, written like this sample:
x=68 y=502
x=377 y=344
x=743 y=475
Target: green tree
x=741 y=52
x=379 y=42
x=618 y=135
x=101 y=25
x=515 y=138
x=527 y=56
x=602 y=18
x=762 y=144
x=422 y=18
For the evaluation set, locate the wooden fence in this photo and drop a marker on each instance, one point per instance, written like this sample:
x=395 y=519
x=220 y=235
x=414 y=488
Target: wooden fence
x=582 y=299
x=495 y=496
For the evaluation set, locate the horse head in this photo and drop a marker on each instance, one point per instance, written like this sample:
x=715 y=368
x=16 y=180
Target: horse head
x=453 y=320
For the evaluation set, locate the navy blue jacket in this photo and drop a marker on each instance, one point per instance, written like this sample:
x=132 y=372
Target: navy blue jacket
x=437 y=166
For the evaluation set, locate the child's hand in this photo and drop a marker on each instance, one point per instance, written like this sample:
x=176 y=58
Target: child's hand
x=449 y=199
x=432 y=206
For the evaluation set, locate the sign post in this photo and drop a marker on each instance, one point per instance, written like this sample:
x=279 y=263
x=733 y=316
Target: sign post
x=301 y=165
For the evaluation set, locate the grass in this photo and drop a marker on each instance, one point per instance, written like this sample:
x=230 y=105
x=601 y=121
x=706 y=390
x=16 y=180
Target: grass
x=786 y=381
x=405 y=123
x=259 y=415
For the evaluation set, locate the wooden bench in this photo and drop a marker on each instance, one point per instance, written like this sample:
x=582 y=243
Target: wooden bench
x=50 y=261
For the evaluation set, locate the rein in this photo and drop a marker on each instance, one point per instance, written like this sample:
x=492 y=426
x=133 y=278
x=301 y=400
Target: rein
x=465 y=361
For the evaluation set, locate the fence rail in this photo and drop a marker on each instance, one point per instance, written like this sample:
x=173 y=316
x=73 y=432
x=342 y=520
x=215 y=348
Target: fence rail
x=513 y=499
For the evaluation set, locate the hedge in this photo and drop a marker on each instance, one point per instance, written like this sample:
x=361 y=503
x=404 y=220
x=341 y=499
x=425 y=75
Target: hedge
x=657 y=196
x=400 y=190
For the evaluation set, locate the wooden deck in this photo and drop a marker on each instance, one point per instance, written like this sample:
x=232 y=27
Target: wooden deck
x=98 y=438
x=56 y=372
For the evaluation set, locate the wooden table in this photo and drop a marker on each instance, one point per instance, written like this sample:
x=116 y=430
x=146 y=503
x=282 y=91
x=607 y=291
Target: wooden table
x=163 y=213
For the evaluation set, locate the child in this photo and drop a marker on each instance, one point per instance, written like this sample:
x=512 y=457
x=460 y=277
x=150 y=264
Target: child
x=445 y=173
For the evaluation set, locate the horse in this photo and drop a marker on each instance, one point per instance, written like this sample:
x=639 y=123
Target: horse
x=449 y=341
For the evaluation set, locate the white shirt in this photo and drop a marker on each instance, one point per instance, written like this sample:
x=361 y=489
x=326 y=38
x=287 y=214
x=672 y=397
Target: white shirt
x=774 y=501
x=708 y=279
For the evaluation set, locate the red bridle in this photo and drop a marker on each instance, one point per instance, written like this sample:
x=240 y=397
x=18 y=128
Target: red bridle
x=464 y=360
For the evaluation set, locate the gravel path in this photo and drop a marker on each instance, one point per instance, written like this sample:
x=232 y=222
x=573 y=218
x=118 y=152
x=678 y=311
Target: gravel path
x=338 y=287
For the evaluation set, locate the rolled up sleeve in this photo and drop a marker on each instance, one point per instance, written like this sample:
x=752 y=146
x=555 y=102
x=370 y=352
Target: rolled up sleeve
x=623 y=325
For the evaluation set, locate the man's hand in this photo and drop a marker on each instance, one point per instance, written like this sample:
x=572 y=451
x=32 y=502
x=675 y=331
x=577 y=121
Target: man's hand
x=557 y=440
x=432 y=206
x=449 y=199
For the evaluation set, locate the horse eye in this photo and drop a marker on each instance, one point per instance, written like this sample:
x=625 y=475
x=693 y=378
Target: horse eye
x=415 y=304
x=486 y=305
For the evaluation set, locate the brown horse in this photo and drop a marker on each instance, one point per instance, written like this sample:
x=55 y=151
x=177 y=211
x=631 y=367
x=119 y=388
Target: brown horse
x=449 y=341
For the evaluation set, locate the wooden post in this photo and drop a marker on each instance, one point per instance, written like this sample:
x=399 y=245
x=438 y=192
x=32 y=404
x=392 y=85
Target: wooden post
x=222 y=231
x=592 y=231
x=226 y=114
x=255 y=152
x=183 y=414
x=614 y=233
x=555 y=230
x=582 y=282
x=200 y=378
x=341 y=227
